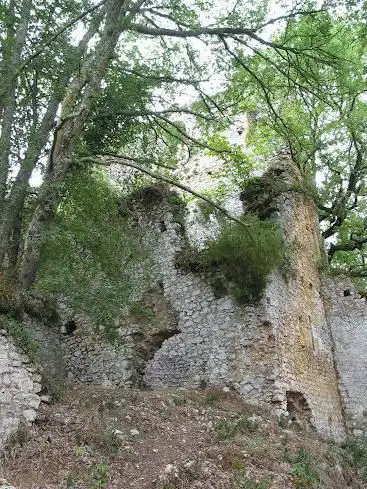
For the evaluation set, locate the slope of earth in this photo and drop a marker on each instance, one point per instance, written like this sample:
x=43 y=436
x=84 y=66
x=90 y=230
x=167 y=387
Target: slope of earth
x=173 y=439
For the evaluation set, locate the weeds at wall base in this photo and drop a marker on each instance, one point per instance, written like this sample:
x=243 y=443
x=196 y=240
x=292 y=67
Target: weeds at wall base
x=21 y=337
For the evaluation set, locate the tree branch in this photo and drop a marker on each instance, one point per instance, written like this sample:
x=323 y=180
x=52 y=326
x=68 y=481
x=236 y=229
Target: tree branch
x=137 y=160
x=290 y=16
x=124 y=162
x=164 y=79
x=219 y=31
x=142 y=113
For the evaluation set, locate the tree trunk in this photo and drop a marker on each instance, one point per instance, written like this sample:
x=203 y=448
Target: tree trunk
x=5 y=147
x=11 y=58
x=10 y=231
x=73 y=119
x=15 y=201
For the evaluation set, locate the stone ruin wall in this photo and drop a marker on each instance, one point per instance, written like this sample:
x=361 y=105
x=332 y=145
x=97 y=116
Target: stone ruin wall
x=20 y=385
x=306 y=375
x=268 y=353
x=218 y=343
x=79 y=355
x=279 y=352
x=346 y=312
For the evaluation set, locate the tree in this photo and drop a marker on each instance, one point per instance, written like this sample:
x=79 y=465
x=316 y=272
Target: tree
x=318 y=112
x=53 y=113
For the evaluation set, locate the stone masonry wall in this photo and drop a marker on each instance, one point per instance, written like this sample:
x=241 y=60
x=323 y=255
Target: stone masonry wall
x=19 y=388
x=346 y=312
x=90 y=359
x=218 y=343
x=305 y=366
x=278 y=351
x=77 y=355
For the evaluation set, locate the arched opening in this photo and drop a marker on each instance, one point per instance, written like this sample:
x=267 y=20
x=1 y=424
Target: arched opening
x=298 y=408
x=69 y=327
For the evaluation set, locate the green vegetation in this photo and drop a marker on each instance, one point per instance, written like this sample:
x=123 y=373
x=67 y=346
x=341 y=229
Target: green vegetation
x=227 y=429
x=148 y=194
x=323 y=130
x=9 y=295
x=19 y=334
x=251 y=484
x=90 y=251
x=101 y=476
x=354 y=452
x=259 y=193
x=239 y=261
x=304 y=476
x=143 y=312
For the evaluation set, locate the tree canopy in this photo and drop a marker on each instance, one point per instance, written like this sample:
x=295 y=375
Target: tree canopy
x=317 y=111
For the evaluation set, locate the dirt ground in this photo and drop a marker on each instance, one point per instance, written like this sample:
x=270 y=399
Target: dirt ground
x=171 y=439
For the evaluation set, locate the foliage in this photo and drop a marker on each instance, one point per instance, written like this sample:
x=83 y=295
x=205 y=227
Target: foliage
x=316 y=112
x=110 y=124
x=126 y=88
x=9 y=295
x=21 y=337
x=238 y=163
x=101 y=476
x=245 y=256
x=143 y=312
x=259 y=193
x=239 y=260
x=150 y=195
x=90 y=251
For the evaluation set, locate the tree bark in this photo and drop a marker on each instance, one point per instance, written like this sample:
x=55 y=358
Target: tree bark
x=10 y=61
x=16 y=198
x=74 y=116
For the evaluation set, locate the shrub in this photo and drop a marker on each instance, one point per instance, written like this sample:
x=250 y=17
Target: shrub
x=9 y=295
x=227 y=429
x=246 y=256
x=90 y=252
x=189 y=260
x=239 y=261
x=259 y=193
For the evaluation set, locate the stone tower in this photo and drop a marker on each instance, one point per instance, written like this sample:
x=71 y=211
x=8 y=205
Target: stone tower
x=278 y=352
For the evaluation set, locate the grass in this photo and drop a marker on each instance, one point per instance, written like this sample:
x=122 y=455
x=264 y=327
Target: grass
x=227 y=429
x=21 y=337
x=101 y=476
x=354 y=452
x=304 y=475
x=143 y=312
x=251 y=484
